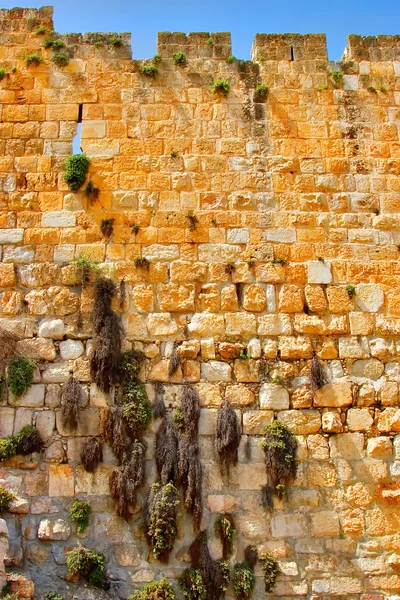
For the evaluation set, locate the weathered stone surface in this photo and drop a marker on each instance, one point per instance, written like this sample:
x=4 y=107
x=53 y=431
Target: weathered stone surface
x=273 y=397
x=54 y=529
x=301 y=422
x=334 y=395
x=71 y=349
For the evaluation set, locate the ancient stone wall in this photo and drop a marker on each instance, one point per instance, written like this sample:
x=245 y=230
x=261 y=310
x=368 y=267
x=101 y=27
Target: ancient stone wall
x=270 y=224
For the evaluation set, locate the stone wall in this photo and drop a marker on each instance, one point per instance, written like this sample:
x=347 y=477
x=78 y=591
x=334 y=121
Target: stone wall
x=298 y=195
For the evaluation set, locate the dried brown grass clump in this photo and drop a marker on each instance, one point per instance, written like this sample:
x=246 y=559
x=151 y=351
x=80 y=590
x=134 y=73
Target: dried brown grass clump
x=228 y=437
x=71 y=403
x=174 y=361
x=107 y=351
x=91 y=454
x=189 y=464
x=214 y=574
x=316 y=373
x=125 y=481
x=279 y=446
x=158 y=404
x=113 y=430
x=167 y=451
x=122 y=293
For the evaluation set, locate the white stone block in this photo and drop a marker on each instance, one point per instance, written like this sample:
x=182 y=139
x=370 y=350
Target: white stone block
x=284 y=234
x=319 y=272
x=216 y=371
x=52 y=328
x=350 y=82
x=273 y=397
x=369 y=297
x=238 y=236
x=71 y=349
x=59 y=218
x=11 y=236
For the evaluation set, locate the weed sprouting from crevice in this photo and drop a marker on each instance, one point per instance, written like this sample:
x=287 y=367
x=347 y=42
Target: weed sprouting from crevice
x=92 y=192
x=113 y=430
x=127 y=479
x=6 y=498
x=91 y=454
x=71 y=403
x=270 y=568
x=107 y=227
x=244 y=579
x=76 y=169
x=228 y=436
x=129 y=366
x=20 y=375
x=79 y=513
x=88 y=564
x=155 y=590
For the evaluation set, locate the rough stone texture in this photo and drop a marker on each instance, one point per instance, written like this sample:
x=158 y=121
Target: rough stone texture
x=271 y=230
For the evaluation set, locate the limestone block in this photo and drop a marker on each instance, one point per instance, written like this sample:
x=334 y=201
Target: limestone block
x=371 y=368
x=239 y=395
x=295 y=347
x=160 y=252
x=61 y=481
x=324 y=523
x=222 y=503
x=315 y=298
x=289 y=525
x=23 y=416
x=284 y=235
x=254 y=298
x=37 y=301
x=56 y=373
x=319 y=272
x=334 y=395
x=379 y=447
x=207 y=348
x=207 y=421
x=59 y=219
x=321 y=474
x=291 y=299
x=7 y=415
x=159 y=372
x=126 y=555
x=189 y=349
x=369 y=297
x=254 y=348
x=350 y=446
x=71 y=349
x=273 y=397
x=205 y=325
x=34 y=397
x=175 y=297
x=54 y=529
x=240 y=324
x=161 y=325
x=353 y=347
x=301 y=422
x=255 y=421
x=237 y=236
x=216 y=371
x=274 y=325
x=93 y=128
x=93 y=484
x=359 y=419
x=318 y=447
x=45 y=423
x=19 y=506
x=38 y=348
x=65 y=303
x=52 y=328
x=247 y=370
x=389 y=420
x=11 y=236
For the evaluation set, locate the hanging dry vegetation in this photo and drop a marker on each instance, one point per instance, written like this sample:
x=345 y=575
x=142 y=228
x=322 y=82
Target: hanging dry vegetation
x=215 y=574
x=71 y=403
x=113 y=430
x=174 y=361
x=91 y=454
x=107 y=350
x=160 y=517
x=158 y=404
x=316 y=373
x=167 y=451
x=127 y=479
x=225 y=529
x=228 y=437
x=189 y=464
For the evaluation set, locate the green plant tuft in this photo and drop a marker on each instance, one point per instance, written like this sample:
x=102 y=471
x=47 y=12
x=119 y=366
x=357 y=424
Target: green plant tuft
x=53 y=596
x=210 y=41
x=26 y=441
x=376 y=210
x=33 y=59
x=40 y=30
x=141 y=261
x=279 y=446
x=372 y=89
x=79 y=513
x=225 y=530
x=221 y=86
x=279 y=261
x=179 y=59
x=115 y=41
x=85 y=268
x=6 y=498
x=161 y=529
x=192 y=585
x=107 y=227
x=229 y=268
x=135 y=228
x=155 y=590
x=130 y=365
x=98 y=44
x=351 y=290
x=178 y=418
x=156 y=59
x=77 y=167
x=14 y=70
x=337 y=77
x=270 y=569
x=149 y=70
x=2 y=74
x=20 y=375
x=88 y=564
x=7 y=447
x=60 y=59
x=261 y=91
x=231 y=59
x=244 y=580
x=53 y=44
x=136 y=408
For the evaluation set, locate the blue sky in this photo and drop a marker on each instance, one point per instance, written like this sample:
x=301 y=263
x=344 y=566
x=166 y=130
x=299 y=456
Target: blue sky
x=242 y=18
